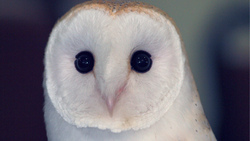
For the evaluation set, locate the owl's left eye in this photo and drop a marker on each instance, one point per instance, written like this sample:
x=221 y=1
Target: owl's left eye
x=84 y=62
x=141 y=61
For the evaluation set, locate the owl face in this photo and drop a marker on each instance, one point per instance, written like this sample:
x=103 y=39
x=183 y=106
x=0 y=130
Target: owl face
x=113 y=66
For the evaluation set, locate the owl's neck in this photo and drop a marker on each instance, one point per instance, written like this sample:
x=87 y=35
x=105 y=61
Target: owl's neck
x=185 y=119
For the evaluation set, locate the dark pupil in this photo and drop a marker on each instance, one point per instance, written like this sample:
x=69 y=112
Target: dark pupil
x=84 y=62
x=141 y=61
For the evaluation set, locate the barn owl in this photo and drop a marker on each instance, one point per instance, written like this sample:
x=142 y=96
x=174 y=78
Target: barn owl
x=118 y=71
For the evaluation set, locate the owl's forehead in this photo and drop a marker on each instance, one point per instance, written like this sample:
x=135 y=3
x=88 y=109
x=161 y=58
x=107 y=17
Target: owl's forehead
x=116 y=8
x=111 y=26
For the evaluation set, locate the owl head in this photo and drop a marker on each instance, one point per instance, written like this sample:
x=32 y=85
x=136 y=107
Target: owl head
x=114 y=65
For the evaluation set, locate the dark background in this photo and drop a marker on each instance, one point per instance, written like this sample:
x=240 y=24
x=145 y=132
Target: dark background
x=25 y=26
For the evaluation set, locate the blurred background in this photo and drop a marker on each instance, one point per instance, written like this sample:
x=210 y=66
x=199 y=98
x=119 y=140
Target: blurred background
x=215 y=33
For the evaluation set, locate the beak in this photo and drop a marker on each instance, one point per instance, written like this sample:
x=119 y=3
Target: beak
x=110 y=102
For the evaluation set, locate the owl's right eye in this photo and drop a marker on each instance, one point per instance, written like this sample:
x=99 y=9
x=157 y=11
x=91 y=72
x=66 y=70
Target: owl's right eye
x=84 y=62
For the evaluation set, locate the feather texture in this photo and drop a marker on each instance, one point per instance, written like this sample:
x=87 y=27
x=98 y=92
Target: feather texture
x=161 y=104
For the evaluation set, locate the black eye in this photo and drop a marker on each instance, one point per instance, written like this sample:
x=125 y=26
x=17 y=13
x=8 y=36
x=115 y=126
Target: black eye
x=141 y=61
x=84 y=62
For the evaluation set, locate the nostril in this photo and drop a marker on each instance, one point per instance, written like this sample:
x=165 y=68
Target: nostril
x=120 y=91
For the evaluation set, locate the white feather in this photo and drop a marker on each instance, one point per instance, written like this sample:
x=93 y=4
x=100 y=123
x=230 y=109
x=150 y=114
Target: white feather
x=161 y=104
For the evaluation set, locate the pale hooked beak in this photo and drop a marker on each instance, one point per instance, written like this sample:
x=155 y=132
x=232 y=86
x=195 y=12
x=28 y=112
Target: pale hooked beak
x=111 y=101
